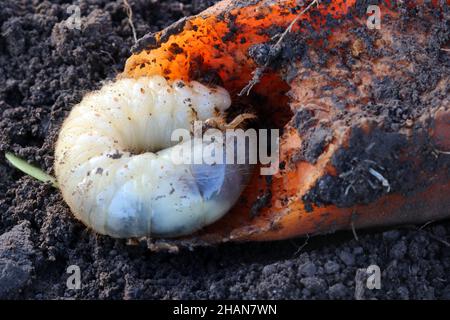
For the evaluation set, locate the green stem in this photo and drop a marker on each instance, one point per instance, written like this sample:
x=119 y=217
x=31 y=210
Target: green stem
x=30 y=170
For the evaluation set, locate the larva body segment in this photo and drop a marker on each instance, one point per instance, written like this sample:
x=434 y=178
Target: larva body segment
x=111 y=173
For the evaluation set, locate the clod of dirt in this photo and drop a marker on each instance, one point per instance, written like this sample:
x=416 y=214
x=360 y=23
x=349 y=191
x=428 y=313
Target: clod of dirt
x=16 y=265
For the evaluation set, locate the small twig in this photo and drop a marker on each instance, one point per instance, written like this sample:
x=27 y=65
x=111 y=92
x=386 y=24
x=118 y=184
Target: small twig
x=426 y=224
x=130 y=19
x=291 y=25
x=442 y=152
x=429 y=234
x=302 y=246
x=445 y=49
x=444 y=242
x=354 y=232
x=30 y=170
x=382 y=179
x=258 y=73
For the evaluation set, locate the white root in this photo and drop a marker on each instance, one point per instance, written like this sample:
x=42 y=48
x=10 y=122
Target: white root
x=113 y=166
x=383 y=180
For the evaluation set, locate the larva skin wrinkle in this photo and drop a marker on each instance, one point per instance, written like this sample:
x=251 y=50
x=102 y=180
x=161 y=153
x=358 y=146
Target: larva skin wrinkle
x=366 y=143
x=114 y=160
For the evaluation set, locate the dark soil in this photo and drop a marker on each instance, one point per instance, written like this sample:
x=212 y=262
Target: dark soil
x=45 y=69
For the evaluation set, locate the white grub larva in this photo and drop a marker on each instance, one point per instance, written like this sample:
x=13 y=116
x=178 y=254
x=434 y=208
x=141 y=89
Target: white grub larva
x=113 y=166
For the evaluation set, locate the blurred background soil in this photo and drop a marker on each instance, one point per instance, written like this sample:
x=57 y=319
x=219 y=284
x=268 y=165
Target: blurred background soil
x=45 y=68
